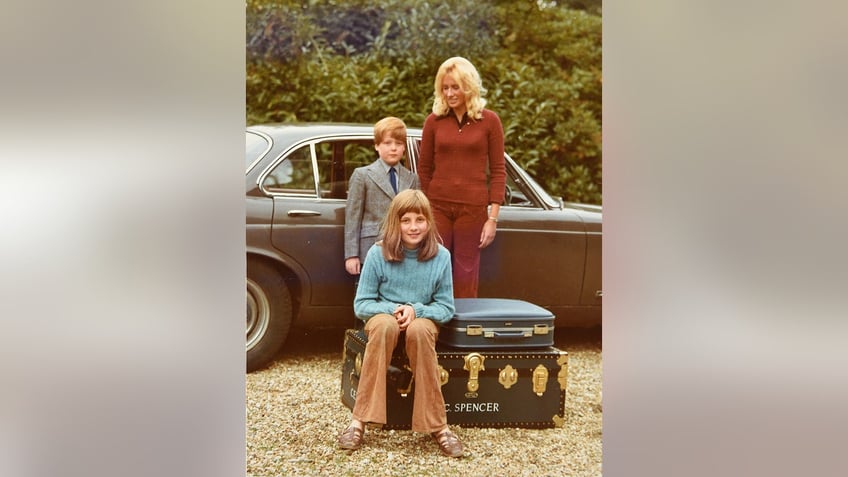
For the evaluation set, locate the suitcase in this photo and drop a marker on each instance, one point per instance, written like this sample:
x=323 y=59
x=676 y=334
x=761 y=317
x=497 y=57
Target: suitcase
x=486 y=388
x=489 y=323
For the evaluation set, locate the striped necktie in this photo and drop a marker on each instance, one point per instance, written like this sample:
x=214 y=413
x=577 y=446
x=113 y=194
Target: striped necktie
x=393 y=178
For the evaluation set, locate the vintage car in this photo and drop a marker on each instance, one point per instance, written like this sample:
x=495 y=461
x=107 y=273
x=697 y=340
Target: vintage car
x=546 y=252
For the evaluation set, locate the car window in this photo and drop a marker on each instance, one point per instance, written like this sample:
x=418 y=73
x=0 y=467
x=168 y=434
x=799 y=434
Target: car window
x=255 y=147
x=336 y=161
x=293 y=175
x=324 y=152
x=517 y=196
x=357 y=155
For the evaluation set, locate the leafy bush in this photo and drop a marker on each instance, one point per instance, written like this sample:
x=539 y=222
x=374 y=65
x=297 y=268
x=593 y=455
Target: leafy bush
x=354 y=61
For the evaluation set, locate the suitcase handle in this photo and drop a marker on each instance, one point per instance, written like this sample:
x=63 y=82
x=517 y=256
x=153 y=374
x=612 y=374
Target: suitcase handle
x=510 y=335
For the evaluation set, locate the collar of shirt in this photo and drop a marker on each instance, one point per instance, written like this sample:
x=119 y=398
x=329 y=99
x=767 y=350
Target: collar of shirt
x=386 y=167
x=459 y=123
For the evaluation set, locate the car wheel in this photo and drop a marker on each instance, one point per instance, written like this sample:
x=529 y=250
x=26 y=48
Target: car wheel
x=269 y=314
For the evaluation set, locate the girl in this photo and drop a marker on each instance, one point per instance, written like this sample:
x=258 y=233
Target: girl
x=405 y=285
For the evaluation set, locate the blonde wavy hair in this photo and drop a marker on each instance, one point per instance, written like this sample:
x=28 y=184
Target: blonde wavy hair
x=466 y=75
x=409 y=200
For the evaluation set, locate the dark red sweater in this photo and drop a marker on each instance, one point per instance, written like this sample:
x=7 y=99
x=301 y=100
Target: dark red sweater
x=453 y=161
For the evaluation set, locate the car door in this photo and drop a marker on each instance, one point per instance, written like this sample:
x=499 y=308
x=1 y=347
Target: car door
x=309 y=187
x=539 y=252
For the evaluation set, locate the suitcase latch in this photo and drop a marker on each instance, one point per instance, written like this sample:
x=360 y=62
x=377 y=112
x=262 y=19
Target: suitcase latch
x=474 y=364
x=540 y=380
x=474 y=330
x=540 y=329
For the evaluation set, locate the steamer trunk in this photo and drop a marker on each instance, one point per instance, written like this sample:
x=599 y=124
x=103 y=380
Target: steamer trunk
x=482 y=388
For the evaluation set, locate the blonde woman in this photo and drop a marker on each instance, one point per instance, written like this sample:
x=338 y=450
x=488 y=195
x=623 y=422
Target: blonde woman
x=461 y=142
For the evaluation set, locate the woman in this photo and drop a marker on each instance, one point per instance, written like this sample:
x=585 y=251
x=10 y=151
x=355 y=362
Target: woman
x=461 y=142
x=405 y=285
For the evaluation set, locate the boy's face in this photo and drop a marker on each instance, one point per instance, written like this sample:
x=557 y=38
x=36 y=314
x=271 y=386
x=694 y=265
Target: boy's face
x=390 y=150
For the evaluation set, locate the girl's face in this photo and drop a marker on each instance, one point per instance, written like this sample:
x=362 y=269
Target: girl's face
x=453 y=93
x=413 y=229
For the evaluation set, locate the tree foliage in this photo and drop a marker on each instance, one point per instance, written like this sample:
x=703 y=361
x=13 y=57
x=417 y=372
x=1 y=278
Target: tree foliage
x=357 y=61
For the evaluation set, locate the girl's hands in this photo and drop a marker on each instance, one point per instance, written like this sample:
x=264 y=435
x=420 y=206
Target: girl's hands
x=404 y=314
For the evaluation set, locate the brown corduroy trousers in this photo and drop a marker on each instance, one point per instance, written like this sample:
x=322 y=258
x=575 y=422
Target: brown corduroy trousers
x=428 y=408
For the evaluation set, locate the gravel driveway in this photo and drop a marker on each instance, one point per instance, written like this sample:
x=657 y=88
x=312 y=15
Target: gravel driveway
x=294 y=413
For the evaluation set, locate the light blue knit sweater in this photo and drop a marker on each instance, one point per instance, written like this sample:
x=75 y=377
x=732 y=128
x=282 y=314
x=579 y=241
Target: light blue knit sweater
x=427 y=286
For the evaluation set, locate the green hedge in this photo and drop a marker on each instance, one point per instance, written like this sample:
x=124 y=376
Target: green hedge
x=354 y=61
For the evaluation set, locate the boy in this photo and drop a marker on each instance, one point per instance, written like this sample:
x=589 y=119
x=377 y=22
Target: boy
x=371 y=190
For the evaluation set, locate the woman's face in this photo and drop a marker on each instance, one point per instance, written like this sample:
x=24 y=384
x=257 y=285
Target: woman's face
x=413 y=229
x=453 y=93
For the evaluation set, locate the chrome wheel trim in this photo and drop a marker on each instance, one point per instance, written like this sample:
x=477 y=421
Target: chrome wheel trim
x=258 y=314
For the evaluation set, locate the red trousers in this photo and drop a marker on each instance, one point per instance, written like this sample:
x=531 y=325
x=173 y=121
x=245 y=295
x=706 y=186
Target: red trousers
x=428 y=406
x=460 y=226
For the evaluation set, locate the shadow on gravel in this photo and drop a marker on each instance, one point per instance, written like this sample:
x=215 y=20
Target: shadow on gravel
x=572 y=338
x=303 y=342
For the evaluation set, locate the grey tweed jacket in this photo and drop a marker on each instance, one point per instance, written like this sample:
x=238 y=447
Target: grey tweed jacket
x=368 y=198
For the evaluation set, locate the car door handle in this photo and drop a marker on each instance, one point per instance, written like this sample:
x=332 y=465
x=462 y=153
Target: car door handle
x=303 y=213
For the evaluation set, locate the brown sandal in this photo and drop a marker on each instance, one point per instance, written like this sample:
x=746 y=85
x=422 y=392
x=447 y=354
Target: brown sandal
x=351 y=438
x=448 y=443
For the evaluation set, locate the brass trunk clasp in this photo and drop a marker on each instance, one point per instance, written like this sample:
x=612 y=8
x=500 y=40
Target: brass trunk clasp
x=443 y=375
x=540 y=380
x=357 y=364
x=474 y=364
x=562 y=376
x=508 y=376
x=405 y=392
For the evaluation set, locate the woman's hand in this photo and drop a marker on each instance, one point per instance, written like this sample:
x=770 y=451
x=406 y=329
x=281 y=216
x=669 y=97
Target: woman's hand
x=487 y=236
x=404 y=314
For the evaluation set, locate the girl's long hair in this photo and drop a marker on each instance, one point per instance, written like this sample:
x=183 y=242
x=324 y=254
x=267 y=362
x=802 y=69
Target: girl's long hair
x=409 y=200
x=464 y=73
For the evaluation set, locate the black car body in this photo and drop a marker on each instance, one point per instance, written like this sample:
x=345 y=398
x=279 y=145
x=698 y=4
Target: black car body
x=546 y=252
